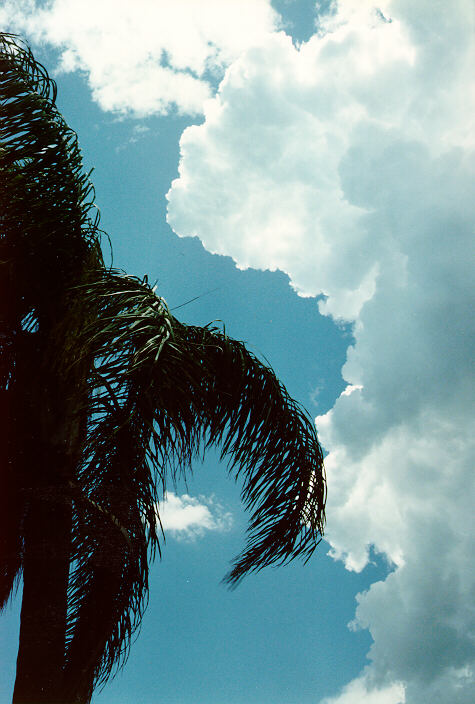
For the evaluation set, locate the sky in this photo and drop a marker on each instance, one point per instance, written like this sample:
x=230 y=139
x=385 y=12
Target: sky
x=304 y=172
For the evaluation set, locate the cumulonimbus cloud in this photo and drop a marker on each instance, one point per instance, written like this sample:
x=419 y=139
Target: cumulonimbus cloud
x=348 y=163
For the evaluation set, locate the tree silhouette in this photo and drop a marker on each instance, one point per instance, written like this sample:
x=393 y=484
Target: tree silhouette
x=104 y=396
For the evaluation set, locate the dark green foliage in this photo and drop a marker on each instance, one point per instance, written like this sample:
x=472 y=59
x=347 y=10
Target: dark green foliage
x=105 y=395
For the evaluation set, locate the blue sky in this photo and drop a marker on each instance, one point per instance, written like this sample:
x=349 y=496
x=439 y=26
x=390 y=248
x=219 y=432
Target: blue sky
x=303 y=169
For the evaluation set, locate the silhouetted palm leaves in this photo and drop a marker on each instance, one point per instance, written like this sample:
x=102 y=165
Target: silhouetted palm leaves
x=105 y=395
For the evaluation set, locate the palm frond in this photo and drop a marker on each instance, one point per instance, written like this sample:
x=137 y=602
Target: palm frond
x=136 y=394
x=49 y=225
x=164 y=391
x=49 y=238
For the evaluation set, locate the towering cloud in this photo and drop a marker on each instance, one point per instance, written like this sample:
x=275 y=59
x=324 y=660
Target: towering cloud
x=347 y=163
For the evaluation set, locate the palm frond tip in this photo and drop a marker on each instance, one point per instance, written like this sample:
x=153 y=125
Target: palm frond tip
x=122 y=392
x=187 y=387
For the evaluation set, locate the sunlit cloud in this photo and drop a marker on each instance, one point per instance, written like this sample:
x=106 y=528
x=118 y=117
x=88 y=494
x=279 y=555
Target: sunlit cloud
x=188 y=518
x=144 y=57
x=348 y=164
x=362 y=690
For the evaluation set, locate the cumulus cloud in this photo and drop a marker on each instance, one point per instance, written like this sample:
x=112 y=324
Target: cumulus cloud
x=144 y=57
x=361 y=690
x=187 y=518
x=348 y=163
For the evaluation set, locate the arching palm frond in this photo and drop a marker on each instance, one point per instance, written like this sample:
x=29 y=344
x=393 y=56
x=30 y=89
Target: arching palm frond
x=106 y=395
x=163 y=391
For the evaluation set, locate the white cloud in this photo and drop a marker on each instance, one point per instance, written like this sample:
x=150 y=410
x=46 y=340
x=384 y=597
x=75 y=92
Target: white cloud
x=411 y=496
x=348 y=163
x=146 y=56
x=187 y=518
x=361 y=691
x=260 y=179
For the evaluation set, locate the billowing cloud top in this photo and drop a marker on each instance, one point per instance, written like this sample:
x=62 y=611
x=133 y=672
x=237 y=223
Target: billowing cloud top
x=144 y=57
x=348 y=163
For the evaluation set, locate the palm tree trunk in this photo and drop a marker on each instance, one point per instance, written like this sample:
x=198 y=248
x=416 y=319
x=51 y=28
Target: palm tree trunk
x=48 y=436
x=44 y=607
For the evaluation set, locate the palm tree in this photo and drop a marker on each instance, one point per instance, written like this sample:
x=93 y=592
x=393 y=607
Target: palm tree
x=104 y=395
